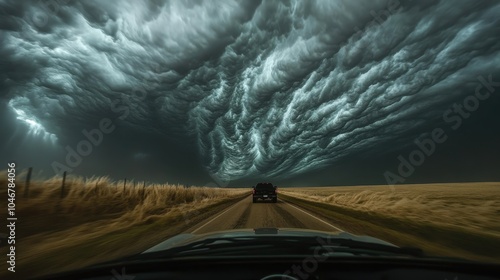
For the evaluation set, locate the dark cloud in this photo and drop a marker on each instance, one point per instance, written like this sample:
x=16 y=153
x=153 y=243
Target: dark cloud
x=239 y=89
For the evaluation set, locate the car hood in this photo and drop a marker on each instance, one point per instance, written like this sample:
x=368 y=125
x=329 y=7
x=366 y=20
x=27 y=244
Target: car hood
x=186 y=238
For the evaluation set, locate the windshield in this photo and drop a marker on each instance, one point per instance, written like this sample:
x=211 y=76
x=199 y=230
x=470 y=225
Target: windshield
x=126 y=123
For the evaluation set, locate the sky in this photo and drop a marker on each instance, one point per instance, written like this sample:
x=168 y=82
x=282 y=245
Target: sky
x=229 y=93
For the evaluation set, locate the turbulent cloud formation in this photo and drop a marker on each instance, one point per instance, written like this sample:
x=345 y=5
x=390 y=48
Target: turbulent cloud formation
x=256 y=88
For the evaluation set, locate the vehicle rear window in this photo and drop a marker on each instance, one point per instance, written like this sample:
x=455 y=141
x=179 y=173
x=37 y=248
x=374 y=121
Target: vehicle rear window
x=265 y=186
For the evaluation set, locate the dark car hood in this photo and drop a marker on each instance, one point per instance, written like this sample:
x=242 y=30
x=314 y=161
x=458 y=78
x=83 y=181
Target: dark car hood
x=186 y=238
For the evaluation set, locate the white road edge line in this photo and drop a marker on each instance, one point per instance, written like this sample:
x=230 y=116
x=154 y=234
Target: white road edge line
x=194 y=231
x=314 y=217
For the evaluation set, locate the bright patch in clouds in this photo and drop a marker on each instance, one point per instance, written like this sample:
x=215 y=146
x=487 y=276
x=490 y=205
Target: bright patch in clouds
x=34 y=127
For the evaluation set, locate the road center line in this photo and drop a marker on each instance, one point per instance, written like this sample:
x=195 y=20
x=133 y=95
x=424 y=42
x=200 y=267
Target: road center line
x=314 y=217
x=194 y=231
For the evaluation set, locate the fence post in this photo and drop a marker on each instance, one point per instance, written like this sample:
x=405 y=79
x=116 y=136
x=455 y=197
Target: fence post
x=143 y=189
x=27 y=185
x=63 y=182
x=124 y=183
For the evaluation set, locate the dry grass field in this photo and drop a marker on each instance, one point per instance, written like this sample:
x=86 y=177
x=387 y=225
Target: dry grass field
x=97 y=219
x=458 y=219
x=474 y=206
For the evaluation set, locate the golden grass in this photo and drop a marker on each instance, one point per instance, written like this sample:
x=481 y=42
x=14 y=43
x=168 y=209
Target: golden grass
x=100 y=213
x=455 y=219
x=473 y=206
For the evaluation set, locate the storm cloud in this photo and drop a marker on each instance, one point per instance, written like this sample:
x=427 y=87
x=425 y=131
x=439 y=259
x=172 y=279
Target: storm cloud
x=244 y=89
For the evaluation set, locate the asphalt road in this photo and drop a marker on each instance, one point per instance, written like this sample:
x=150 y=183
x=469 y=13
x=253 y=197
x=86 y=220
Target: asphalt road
x=245 y=214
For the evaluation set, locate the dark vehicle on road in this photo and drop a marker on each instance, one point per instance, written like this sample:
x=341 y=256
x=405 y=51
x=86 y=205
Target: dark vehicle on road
x=265 y=191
